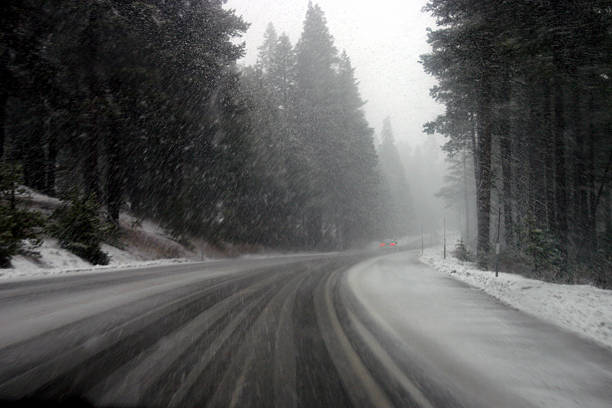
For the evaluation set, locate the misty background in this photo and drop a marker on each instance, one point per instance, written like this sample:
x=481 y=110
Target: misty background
x=385 y=43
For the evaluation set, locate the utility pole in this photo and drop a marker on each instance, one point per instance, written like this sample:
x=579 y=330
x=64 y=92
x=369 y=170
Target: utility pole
x=497 y=243
x=444 y=237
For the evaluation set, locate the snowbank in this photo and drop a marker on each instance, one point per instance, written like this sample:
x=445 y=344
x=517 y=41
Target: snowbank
x=36 y=200
x=55 y=260
x=583 y=309
x=145 y=244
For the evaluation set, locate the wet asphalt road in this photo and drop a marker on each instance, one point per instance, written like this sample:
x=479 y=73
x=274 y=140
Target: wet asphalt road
x=239 y=333
x=282 y=332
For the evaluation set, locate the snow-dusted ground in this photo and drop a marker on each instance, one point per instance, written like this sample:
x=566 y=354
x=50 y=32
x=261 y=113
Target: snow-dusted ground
x=54 y=261
x=37 y=200
x=145 y=244
x=583 y=309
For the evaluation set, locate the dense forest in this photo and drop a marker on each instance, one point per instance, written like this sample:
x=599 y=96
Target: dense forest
x=141 y=106
x=527 y=87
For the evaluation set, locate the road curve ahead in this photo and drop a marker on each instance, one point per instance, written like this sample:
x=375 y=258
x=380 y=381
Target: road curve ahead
x=284 y=332
x=248 y=332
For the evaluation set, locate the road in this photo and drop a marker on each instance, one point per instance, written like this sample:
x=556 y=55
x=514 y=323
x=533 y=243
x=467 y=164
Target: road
x=336 y=330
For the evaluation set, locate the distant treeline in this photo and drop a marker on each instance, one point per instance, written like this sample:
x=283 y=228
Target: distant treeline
x=528 y=92
x=141 y=105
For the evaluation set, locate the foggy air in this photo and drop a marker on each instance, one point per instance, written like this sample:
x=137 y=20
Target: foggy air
x=301 y=203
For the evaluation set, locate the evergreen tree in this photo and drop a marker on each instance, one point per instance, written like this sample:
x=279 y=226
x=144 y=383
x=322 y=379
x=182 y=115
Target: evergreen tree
x=524 y=84
x=140 y=105
x=316 y=179
x=400 y=213
x=317 y=58
x=78 y=227
x=360 y=212
x=19 y=228
x=115 y=98
x=267 y=50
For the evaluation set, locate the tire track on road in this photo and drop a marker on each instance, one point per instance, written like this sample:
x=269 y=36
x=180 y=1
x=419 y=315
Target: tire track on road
x=249 y=379
x=214 y=353
x=47 y=346
x=270 y=336
x=77 y=369
x=127 y=384
x=362 y=388
x=318 y=382
x=13 y=291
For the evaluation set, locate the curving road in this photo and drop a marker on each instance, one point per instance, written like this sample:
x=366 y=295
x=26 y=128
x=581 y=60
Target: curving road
x=337 y=330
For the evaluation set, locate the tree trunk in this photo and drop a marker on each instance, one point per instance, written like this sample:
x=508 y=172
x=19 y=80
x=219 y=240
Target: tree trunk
x=484 y=173
x=535 y=151
x=3 y=100
x=474 y=124
x=519 y=131
x=314 y=233
x=506 y=159
x=51 y=159
x=592 y=227
x=473 y=136
x=34 y=154
x=549 y=158
x=90 y=43
x=561 y=229
x=466 y=199
x=506 y=152
x=114 y=176
x=580 y=218
x=90 y=163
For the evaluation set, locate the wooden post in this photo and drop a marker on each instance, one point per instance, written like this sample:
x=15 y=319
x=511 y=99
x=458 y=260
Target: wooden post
x=422 y=240
x=444 y=237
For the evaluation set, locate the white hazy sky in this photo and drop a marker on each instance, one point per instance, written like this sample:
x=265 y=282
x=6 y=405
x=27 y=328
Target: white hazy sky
x=383 y=38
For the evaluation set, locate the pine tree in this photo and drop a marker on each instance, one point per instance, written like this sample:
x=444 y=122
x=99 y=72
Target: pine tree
x=20 y=229
x=523 y=82
x=115 y=98
x=267 y=50
x=400 y=212
x=316 y=58
x=359 y=213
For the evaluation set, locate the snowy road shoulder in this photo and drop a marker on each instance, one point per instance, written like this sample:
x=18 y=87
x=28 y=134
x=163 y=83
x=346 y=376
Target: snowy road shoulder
x=582 y=309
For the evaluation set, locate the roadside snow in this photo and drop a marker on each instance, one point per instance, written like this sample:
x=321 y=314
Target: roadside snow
x=51 y=257
x=55 y=260
x=118 y=256
x=35 y=198
x=583 y=309
x=145 y=244
x=145 y=225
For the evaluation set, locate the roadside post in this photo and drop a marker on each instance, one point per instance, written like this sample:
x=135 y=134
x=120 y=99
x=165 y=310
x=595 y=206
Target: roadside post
x=421 y=239
x=444 y=237
x=497 y=243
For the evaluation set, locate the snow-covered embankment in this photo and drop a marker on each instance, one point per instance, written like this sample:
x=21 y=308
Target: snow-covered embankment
x=583 y=309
